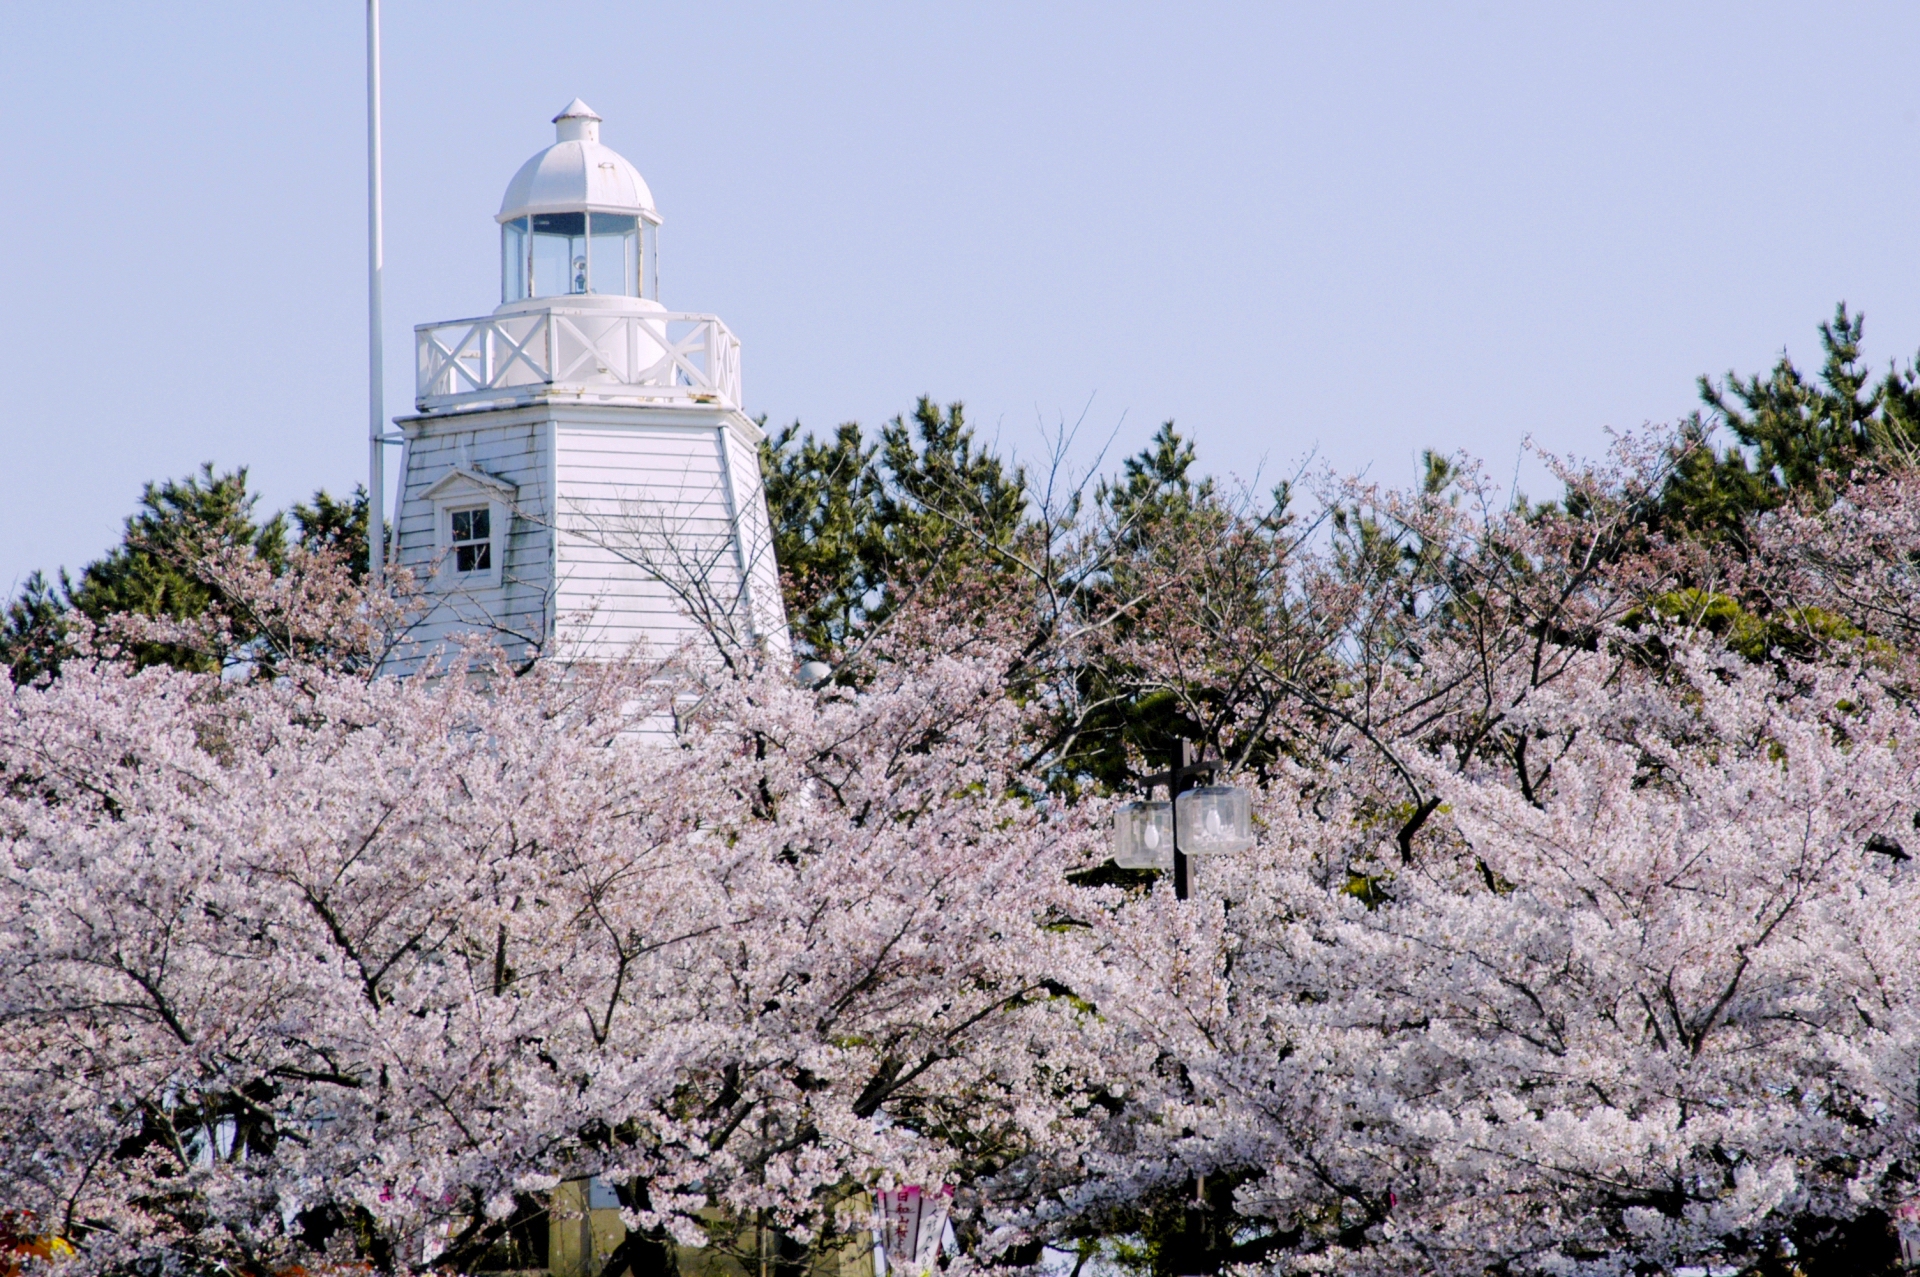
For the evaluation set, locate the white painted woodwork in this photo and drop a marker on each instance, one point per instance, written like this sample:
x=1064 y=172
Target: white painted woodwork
x=601 y=354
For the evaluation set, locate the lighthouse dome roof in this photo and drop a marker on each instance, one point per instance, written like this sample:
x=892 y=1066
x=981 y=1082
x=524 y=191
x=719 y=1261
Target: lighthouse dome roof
x=577 y=173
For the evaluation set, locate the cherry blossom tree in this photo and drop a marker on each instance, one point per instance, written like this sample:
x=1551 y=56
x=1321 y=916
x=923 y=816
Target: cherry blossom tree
x=1634 y=992
x=325 y=962
x=1578 y=938
x=1663 y=1013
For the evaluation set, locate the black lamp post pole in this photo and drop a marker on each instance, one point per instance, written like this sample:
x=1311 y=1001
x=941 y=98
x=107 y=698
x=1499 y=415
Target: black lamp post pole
x=1183 y=758
x=1186 y=765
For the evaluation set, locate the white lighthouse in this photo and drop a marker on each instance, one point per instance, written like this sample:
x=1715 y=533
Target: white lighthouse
x=579 y=478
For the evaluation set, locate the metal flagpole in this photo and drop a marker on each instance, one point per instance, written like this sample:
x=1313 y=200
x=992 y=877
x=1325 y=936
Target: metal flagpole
x=376 y=261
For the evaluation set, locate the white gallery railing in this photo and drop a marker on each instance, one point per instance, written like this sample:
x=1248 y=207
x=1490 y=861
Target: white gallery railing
x=664 y=357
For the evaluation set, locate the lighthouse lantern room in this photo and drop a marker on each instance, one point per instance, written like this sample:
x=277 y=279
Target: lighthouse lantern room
x=579 y=476
x=578 y=221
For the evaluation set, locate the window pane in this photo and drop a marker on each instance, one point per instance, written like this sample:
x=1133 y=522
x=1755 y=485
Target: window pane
x=471 y=538
x=615 y=254
x=550 y=258
x=513 y=260
x=559 y=254
x=471 y=534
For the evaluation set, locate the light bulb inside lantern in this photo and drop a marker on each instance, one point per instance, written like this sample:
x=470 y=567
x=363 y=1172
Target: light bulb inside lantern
x=1141 y=833
x=1213 y=823
x=579 y=274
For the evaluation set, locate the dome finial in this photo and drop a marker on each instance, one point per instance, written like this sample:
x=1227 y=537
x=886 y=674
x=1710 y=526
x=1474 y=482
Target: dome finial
x=577 y=122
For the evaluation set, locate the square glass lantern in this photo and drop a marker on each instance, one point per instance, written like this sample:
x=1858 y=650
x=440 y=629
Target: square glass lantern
x=1214 y=820
x=1143 y=836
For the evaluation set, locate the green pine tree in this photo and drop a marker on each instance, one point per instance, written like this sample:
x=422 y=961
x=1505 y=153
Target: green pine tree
x=155 y=569
x=33 y=631
x=328 y=523
x=860 y=527
x=152 y=572
x=1795 y=438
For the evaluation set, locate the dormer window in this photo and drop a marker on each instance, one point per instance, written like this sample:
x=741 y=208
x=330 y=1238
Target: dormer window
x=471 y=540
x=472 y=513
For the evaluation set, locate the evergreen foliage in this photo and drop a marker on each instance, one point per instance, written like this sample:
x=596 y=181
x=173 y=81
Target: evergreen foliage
x=860 y=527
x=157 y=570
x=152 y=571
x=1154 y=511
x=30 y=634
x=333 y=524
x=1794 y=435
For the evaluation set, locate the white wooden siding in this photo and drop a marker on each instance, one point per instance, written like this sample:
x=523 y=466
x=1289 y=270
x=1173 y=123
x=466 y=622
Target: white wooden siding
x=615 y=507
x=643 y=509
x=756 y=544
x=506 y=446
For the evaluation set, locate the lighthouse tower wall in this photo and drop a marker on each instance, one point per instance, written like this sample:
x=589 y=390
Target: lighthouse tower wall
x=662 y=533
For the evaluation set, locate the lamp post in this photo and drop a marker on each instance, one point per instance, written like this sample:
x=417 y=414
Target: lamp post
x=1198 y=820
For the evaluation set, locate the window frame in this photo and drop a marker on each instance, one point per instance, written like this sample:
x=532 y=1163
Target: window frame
x=481 y=546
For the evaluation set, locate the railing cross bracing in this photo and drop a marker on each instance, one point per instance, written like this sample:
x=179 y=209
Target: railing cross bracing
x=658 y=357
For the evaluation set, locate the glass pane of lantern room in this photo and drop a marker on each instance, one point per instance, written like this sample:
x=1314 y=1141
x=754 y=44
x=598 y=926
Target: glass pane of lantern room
x=616 y=270
x=513 y=260
x=559 y=254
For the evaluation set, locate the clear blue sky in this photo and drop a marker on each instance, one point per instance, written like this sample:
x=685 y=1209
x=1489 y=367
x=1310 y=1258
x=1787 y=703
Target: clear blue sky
x=1356 y=228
